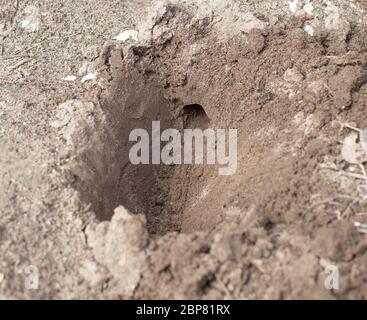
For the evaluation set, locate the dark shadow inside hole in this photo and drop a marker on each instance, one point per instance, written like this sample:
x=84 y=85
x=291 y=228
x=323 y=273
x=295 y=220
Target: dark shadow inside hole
x=194 y=117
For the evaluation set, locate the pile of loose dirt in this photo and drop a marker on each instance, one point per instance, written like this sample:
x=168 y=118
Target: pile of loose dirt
x=269 y=230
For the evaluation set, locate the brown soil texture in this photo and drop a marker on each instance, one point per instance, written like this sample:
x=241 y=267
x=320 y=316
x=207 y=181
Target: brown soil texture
x=185 y=232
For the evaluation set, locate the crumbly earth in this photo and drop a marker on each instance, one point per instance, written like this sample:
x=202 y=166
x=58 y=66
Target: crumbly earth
x=97 y=227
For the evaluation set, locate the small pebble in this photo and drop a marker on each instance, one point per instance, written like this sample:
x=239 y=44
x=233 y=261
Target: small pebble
x=127 y=35
x=293 y=75
x=89 y=77
x=309 y=30
x=69 y=78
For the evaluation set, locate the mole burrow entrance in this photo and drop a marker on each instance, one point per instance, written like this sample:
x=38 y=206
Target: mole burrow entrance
x=161 y=192
x=194 y=117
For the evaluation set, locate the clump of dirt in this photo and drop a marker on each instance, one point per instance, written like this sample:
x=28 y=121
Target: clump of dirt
x=274 y=221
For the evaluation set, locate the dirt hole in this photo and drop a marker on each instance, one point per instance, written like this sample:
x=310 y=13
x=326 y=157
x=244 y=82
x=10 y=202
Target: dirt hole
x=194 y=117
x=163 y=193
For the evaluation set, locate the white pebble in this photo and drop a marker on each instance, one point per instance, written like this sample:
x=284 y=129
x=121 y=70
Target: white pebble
x=309 y=30
x=69 y=78
x=89 y=77
x=293 y=6
x=127 y=35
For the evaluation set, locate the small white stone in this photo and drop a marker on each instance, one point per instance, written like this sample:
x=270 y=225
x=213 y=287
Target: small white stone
x=89 y=77
x=2 y=277
x=69 y=78
x=293 y=4
x=309 y=30
x=127 y=35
